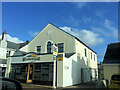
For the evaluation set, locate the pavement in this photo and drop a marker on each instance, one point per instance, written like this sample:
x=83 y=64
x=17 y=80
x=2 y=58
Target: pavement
x=88 y=85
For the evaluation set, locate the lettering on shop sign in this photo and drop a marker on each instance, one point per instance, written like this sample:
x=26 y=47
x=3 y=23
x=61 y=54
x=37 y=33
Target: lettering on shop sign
x=27 y=58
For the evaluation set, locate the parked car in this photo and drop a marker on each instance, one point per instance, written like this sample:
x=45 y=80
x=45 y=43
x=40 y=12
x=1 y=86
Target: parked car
x=10 y=84
x=115 y=81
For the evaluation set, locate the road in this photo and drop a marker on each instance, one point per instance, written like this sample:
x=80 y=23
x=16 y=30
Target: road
x=97 y=85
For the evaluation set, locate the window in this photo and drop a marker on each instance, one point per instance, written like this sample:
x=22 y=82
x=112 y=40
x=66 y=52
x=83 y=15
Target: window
x=85 y=53
x=91 y=55
x=8 y=53
x=38 y=49
x=78 y=56
x=49 y=47
x=94 y=57
x=115 y=77
x=60 y=47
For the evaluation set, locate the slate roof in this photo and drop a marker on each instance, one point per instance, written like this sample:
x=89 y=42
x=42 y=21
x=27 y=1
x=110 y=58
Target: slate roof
x=112 y=55
x=16 y=46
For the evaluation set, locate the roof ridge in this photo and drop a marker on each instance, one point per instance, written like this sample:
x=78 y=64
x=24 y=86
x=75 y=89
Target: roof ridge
x=114 y=43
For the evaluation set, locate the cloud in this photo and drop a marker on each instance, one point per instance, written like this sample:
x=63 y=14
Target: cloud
x=101 y=31
x=90 y=37
x=12 y=39
x=74 y=21
x=69 y=30
x=99 y=13
x=33 y=34
x=87 y=19
x=113 y=30
x=107 y=29
x=87 y=36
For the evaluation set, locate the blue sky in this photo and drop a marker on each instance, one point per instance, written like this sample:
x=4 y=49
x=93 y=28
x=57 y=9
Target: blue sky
x=95 y=23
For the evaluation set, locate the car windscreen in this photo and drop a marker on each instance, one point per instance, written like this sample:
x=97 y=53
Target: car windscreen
x=116 y=77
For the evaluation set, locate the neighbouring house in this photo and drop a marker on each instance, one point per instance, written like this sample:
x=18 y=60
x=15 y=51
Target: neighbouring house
x=7 y=48
x=111 y=62
x=100 y=71
x=76 y=62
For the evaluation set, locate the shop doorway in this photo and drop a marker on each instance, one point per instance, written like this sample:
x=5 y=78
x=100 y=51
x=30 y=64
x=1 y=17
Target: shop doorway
x=30 y=73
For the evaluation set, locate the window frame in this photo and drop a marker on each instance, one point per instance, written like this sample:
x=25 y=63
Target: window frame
x=94 y=57
x=8 y=53
x=38 y=49
x=85 y=52
x=61 y=47
x=49 y=48
x=91 y=55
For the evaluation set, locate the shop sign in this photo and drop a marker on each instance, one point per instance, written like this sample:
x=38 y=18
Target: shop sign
x=55 y=50
x=31 y=57
x=60 y=57
x=38 y=58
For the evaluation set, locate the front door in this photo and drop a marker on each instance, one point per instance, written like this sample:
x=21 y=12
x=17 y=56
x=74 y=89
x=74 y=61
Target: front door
x=30 y=73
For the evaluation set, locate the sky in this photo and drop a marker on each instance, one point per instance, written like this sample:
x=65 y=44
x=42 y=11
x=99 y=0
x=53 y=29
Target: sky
x=94 y=23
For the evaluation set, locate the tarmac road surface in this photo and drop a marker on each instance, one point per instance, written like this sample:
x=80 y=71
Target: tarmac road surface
x=89 y=85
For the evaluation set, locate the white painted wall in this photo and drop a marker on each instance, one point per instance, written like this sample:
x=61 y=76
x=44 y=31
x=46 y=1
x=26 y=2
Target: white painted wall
x=59 y=73
x=71 y=71
x=55 y=35
x=110 y=69
x=3 y=52
x=24 y=49
x=87 y=64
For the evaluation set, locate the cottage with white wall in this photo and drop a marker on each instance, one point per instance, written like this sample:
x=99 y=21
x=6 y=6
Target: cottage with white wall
x=7 y=48
x=4 y=52
x=76 y=62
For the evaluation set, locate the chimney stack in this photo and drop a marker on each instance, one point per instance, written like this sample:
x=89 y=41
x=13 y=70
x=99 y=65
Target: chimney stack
x=4 y=42
x=4 y=35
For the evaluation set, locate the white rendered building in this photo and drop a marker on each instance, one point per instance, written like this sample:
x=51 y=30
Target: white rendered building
x=7 y=48
x=76 y=62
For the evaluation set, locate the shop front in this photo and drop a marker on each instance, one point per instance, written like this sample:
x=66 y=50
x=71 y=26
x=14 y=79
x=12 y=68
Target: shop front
x=32 y=69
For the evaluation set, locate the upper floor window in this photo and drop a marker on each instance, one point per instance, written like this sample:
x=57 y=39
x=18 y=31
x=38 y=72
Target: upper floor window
x=60 y=47
x=91 y=55
x=38 y=49
x=49 y=47
x=94 y=57
x=85 y=53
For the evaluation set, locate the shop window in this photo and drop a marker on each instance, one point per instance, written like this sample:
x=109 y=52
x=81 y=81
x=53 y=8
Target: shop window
x=38 y=49
x=85 y=53
x=60 y=47
x=49 y=47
